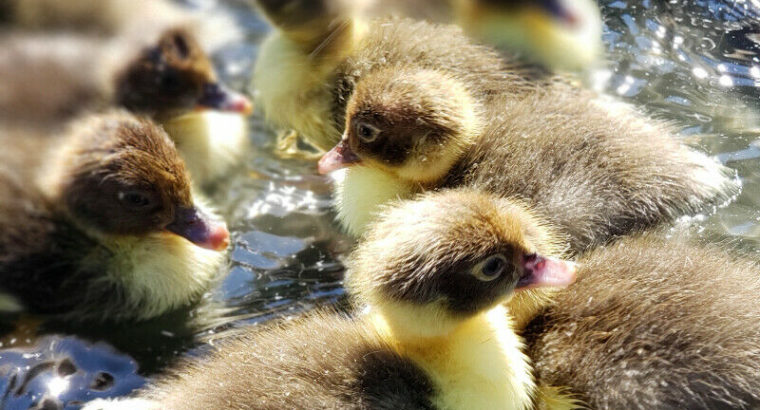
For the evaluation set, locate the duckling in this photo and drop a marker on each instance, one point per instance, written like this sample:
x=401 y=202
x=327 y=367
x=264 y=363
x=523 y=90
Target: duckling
x=597 y=172
x=557 y=34
x=432 y=272
x=51 y=78
x=101 y=224
x=308 y=66
x=117 y=18
x=655 y=322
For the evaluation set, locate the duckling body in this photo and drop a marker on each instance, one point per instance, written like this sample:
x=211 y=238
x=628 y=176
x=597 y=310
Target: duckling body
x=414 y=347
x=52 y=78
x=71 y=244
x=655 y=322
x=595 y=173
x=306 y=89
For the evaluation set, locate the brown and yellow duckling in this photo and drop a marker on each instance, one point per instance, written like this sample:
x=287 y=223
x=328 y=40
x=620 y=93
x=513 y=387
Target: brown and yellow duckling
x=319 y=51
x=555 y=34
x=597 y=173
x=101 y=224
x=655 y=322
x=434 y=273
x=52 y=78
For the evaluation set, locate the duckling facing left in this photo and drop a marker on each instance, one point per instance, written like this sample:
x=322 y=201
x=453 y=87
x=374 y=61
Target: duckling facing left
x=102 y=224
x=597 y=172
x=49 y=79
x=655 y=322
x=433 y=272
x=594 y=174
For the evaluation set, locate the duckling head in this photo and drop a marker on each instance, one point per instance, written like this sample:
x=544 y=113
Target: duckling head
x=427 y=265
x=120 y=176
x=559 y=34
x=175 y=76
x=411 y=123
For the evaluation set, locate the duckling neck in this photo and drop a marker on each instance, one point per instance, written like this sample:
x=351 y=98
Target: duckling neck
x=360 y=191
x=478 y=365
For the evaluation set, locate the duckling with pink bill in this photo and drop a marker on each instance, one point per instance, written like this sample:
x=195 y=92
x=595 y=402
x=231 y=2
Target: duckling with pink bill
x=167 y=76
x=434 y=274
x=102 y=224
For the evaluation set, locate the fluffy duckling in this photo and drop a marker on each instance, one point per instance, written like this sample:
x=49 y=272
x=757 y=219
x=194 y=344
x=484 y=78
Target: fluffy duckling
x=102 y=223
x=49 y=78
x=596 y=172
x=309 y=65
x=558 y=34
x=655 y=322
x=555 y=34
x=206 y=120
x=117 y=18
x=434 y=273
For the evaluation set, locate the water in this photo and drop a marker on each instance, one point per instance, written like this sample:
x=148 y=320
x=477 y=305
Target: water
x=691 y=62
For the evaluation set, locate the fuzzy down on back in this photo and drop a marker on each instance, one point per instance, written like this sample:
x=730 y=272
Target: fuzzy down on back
x=596 y=173
x=323 y=360
x=655 y=322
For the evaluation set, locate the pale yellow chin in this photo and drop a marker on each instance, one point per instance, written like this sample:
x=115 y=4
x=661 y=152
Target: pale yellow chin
x=412 y=323
x=160 y=272
x=360 y=193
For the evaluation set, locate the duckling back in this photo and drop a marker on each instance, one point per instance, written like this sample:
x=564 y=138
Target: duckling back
x=655 y=322
x=596 y=173
x=322 y=360
x=51 y=78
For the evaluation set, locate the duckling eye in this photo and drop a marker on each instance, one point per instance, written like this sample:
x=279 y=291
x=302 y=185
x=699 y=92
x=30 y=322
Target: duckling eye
x=490 y=268
x=181 y=45
x=366 y=132
x=135 y=200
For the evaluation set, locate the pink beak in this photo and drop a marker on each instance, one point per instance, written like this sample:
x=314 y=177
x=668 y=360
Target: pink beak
x=198 y=228
x=340 y=156
x=539 y=271
x=217 y=97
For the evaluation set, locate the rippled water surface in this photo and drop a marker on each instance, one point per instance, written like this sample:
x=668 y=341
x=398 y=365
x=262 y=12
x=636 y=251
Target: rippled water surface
x=694 y=63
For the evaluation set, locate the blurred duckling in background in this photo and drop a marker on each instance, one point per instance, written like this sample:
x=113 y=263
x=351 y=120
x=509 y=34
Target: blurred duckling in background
x=101 y=224
x=433 y=273
x=308 y=66
x=557 y=34
x=118 y=18
x=597 y=173
x=48 y=79
x=655 y=322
